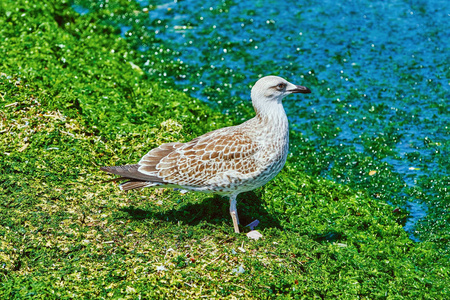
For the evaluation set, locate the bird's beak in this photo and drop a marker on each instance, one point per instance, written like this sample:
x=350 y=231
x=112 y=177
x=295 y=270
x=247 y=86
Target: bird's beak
x=299 y=89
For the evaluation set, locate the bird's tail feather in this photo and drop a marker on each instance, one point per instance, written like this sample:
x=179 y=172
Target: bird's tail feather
x=135 y=184
x=136 y=180
x=131 y=172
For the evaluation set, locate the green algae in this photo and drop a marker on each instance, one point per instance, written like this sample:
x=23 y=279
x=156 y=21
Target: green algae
x=65 y=234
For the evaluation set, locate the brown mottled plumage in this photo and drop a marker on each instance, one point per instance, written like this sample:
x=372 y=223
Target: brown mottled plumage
x=226 y=161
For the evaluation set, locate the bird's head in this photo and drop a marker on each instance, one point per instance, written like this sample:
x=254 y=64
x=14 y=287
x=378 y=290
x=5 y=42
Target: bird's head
x=268 y=93
x=274 y=88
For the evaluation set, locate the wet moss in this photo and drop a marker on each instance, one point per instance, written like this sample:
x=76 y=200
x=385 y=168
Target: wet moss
x=71 y=104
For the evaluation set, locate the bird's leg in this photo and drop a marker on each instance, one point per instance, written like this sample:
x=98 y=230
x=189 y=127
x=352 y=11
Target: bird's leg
x=233 y=213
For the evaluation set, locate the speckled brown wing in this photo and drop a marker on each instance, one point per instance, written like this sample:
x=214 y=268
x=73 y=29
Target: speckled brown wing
x=149 y=162
x=216 y=158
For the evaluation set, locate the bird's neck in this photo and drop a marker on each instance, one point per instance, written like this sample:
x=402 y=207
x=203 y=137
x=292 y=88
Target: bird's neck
x=270 y=128
x=272 y=114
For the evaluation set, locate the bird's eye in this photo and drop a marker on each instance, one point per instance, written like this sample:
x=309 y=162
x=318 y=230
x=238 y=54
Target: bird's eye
x=281 y=86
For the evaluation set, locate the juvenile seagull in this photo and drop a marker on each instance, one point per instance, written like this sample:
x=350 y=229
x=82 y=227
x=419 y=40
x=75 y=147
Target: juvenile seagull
x=226 y=161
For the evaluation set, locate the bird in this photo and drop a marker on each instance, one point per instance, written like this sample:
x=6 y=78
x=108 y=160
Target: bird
x=227 y=161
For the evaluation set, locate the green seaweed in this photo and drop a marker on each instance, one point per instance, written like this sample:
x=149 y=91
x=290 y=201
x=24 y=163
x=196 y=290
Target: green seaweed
x=70 y=104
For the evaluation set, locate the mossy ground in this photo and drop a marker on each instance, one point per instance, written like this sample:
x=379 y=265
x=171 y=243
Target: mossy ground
x=73 y=99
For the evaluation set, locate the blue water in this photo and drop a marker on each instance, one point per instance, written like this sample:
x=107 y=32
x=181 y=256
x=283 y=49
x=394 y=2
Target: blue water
x=80 y=9
x=379 y=70
x=417 y=211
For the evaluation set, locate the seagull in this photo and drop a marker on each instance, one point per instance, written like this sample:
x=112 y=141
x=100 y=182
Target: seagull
x=227 y=161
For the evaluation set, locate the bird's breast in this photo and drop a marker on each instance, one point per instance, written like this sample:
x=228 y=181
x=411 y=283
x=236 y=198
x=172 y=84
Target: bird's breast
x=273 y=147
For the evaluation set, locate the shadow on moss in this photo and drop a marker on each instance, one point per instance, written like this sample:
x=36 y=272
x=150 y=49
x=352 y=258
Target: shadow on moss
x=213 y=210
